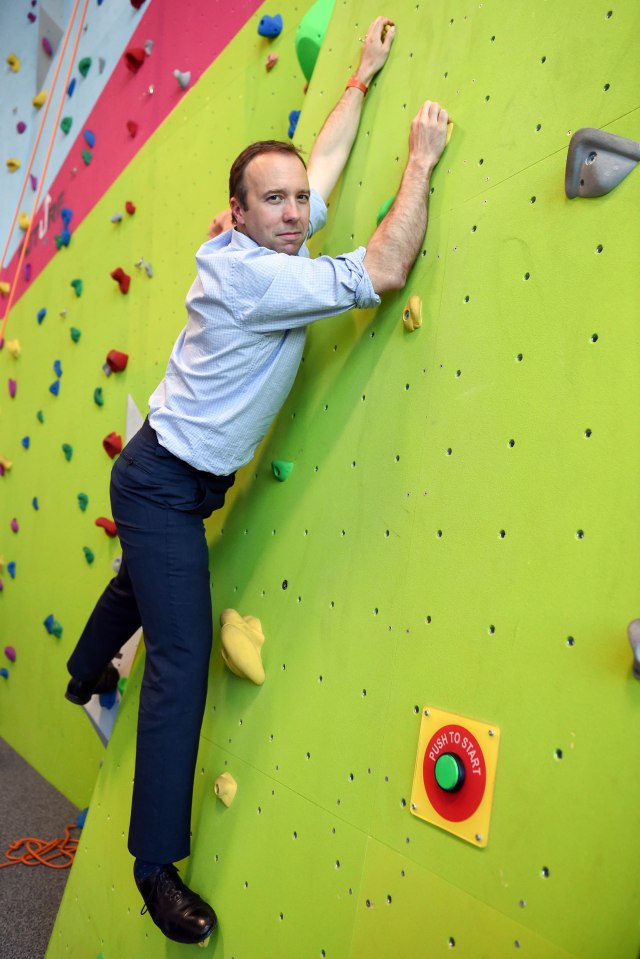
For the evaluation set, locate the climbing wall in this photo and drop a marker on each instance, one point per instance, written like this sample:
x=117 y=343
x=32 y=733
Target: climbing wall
x=459 y=531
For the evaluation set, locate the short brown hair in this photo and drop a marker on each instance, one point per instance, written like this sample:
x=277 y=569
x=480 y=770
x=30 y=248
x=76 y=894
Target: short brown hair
x=237 y=186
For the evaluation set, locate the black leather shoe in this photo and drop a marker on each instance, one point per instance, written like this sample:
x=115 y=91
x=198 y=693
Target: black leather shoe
x=177 y=911
x=80 y=692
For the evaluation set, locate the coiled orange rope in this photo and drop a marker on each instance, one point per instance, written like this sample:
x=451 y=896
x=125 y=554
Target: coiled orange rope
x=39 y=852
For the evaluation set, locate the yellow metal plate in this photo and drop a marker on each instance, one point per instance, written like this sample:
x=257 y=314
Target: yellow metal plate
x=469 y=751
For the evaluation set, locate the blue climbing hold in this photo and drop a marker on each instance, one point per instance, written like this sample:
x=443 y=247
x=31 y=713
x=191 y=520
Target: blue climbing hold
x=71 y=87
x=81 y=818
x=35 y=503
x=11 y=569
x=108 y=700
x=90 y=137
x=26 y=442
x=57 y=368
x=294 y=116
x=4 y=672
x=55 y=388
x=66 y=215
x=270 y=26
x=52 y=626
x=41 y=314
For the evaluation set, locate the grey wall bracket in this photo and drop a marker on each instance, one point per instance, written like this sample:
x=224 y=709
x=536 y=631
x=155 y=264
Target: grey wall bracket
x=597 y=162
x=633 y=632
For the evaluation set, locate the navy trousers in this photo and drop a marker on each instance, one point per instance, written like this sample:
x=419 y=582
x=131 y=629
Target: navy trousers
x=159 y=504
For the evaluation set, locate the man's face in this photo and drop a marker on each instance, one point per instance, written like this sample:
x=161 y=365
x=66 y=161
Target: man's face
x=277 y=213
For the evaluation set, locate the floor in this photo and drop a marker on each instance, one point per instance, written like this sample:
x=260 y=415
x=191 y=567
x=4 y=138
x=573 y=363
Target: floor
x=29 y=895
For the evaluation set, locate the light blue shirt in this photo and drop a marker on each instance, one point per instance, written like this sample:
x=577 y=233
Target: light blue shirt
x=234 y=363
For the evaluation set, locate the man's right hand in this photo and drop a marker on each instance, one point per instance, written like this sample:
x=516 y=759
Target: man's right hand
x=428 y=135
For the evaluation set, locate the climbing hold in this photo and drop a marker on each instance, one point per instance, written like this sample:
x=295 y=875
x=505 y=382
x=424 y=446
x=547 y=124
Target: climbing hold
x=122 y=279
x=71 y=87
x=27 y=271
x=13 y=164
x=40 y=416
x=63 y=314
x=13 y=347
x=108 y=700
x=11 y=569
x=116 y=218
x=147 y=266
x=132 y=127
x=294 y=116
x=310 y=34
x=23 y=221
x=35 y=503
x=81 y=818
x=55 y=388
x=136 y=4
x=21 y=126
x=270 y=26
x=101 y=64
x=122 y=682
x=108 y=526
x=98 y=398
x=5 y=465
x=26 y=442
x=242 y=639
x=282 y=469
x=130 y=208
x=88 y=555
x=597 y=162
x=412 y=314
x=83 y=501
x=384 y=209
x=633 y=632
x=41 y=314
x=67 y=449
x=15 y=525
x=183 y=78
x=64 y=239
x=66 y=123
x=270 y=62
x=148 y=47
x=77 y=286
x=14 y=62
x=46 y=46
x=112 y=444
x=10 y=653
x=116 y=361
x=225 y=788
x=134 y=58
x=31 y=17
x=57 y=368
x=5 y=288
x=39 y=99
x=33 y=182
x=75 y=334
x=87 y=156
x=13 y=388
x=52 y=626
x=90 y=137
x=84 y=66
x=4 y=672
x=449 y=131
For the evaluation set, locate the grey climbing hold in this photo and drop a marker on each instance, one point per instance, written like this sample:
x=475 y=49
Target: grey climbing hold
x=633 y=632
x=597 y=162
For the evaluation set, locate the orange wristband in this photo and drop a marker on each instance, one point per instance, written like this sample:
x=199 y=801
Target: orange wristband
x=353 y=82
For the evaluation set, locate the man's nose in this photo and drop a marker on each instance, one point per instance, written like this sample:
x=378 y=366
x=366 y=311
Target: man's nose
x=291 y=210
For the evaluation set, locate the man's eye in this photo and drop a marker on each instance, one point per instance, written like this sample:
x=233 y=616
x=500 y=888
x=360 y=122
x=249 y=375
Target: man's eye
x=303 y=198
x=274 y=196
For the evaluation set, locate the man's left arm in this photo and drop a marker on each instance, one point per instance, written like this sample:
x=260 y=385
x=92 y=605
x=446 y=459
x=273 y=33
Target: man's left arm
x=333 y=144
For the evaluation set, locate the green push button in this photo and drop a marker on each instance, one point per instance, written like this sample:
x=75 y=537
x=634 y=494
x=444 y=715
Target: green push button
x=449 y=772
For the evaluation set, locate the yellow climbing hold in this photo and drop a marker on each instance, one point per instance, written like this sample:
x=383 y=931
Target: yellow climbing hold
x=13 y=163
x=242 y=640
x=6 y=466
x=225 y=788
x=449 y=131
x=13 y=347
x=14 y=62
x=23 y=221
x=39 y=99
x=205 y=942
x=5 y=288
x=412 y=314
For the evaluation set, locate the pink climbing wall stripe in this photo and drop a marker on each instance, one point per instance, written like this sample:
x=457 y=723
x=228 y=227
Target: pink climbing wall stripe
x=184 y=42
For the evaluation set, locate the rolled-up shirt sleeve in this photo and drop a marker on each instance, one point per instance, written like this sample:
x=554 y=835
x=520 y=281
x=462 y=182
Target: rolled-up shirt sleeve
x=274 y=291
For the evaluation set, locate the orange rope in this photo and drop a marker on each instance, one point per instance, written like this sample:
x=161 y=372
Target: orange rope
x=39 y=852
x=43 y=172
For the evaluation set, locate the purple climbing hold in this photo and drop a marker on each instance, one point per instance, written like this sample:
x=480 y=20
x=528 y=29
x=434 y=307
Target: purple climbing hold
x=15 y=525
x=46 y=46
x=13 y=388
x=31 y=17
x=33 y=180
x=10 y=653
x=27 y=271
x=21 y=126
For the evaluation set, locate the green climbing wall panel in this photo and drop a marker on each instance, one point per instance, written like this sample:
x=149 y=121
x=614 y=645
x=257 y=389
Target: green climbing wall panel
x=460 y=528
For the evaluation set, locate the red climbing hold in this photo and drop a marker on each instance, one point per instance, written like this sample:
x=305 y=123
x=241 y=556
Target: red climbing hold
x=136 y=4
x=123 y=279
x=132 y=127
x=129 y=207
x=117 y=361
x=108 y=526
x=134 y=58
x=112 y=444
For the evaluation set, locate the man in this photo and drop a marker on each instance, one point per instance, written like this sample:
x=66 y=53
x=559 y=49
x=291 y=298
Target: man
x=229 y=373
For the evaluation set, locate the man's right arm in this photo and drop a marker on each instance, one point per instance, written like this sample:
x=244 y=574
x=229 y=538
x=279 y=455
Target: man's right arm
x=393 y=248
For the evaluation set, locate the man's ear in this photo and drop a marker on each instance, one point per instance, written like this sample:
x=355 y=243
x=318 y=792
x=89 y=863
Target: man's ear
x=236 y=211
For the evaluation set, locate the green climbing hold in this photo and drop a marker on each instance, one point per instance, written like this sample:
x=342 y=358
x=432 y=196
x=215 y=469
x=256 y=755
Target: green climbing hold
x=87 y=156
x=67 y=449
x=66 y=123
x=40 y=416
x=75 y=334
x=98 y=398
x=282 y=469
x=310 y=34
x=384 y=209
x=83 y=501
x=88 y=555
x=122 y=682
x=84 y=65
x=77 y=285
